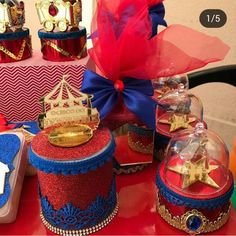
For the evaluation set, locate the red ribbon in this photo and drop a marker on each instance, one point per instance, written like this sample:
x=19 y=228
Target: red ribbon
x=4 y=126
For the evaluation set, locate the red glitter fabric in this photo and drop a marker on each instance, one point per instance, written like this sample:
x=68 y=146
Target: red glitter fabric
x=43 y=148
x=80 y=190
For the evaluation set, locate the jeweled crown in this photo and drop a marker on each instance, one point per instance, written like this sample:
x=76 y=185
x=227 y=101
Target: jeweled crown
x=60 y=15
x=12 y=15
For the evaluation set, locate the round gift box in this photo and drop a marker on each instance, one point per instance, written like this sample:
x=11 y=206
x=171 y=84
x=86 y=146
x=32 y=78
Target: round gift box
x=76 y=185
x=194 y=214
x=15 y=46
x=63 y=46
x=163 y=135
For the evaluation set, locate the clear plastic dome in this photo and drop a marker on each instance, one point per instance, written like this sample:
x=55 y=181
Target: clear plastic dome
x=164 y=85
x=180 y=101
x=196 y=162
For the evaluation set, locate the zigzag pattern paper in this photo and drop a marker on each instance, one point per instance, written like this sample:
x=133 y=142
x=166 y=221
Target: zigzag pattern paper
x=21 y=87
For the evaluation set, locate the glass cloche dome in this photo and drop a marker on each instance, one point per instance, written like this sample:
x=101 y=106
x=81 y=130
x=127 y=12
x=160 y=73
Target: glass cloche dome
x=196 y=163
x=164 y=85
x=180 y=101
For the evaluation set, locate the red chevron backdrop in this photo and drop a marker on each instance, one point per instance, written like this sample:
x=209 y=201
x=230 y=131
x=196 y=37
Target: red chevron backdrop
x=21 y=87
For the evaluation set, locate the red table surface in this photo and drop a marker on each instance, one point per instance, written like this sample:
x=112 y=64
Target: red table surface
x=137 y=211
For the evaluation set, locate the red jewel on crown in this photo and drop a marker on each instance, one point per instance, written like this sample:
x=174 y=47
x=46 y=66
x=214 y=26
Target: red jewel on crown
x=53 y=10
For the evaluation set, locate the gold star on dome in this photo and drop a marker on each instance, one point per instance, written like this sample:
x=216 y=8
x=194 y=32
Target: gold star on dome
x=196 y=172
x=178 y=121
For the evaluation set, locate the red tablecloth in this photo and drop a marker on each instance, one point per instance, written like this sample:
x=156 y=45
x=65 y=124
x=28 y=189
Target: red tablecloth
x=137 y=213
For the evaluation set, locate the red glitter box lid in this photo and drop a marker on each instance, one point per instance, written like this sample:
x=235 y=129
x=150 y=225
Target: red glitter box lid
x=51 y=159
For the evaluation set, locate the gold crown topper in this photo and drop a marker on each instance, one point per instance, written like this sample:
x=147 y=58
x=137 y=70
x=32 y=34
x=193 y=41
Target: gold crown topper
x=12 y=15
x=71 y=112
x=59 y=14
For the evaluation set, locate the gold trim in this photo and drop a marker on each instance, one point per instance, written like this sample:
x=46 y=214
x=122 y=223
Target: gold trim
x=180 y=222
x=131 y=170
x=82 y=231
x=13 y=56
x=62 y=51
x=139 y=147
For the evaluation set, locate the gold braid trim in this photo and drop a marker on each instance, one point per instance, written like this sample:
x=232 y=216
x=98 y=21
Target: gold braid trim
x=131 y=170
x=13 y=56
x=140 y=147
x=62 y=51
x=180 y=222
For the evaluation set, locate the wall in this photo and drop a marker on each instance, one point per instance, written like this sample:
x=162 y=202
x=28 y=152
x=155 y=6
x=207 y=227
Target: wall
x=187 y=12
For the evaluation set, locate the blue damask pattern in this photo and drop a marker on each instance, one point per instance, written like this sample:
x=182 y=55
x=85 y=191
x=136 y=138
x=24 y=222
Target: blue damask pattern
x=72 y=218
x=179 y=200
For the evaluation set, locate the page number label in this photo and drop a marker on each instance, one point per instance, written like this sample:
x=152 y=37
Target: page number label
x=213 y=18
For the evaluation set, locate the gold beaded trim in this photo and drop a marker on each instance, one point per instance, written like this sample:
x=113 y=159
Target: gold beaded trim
x=62 y=51
x=80 y=232
x=180 y=222
x=139 y=147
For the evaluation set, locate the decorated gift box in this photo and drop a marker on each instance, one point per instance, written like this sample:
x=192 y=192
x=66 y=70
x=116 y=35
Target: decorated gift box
x=194 y=182
x=74 y=162
x=61 y=37
x=15 y=41
x=129 y=54
x=12 y=170
x=177 y=110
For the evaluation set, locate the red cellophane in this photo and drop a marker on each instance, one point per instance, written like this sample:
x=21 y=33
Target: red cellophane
x=122 y=46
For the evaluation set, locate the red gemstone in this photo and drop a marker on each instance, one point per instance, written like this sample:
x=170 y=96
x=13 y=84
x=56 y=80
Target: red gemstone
x=119 y=85
x=53 y=10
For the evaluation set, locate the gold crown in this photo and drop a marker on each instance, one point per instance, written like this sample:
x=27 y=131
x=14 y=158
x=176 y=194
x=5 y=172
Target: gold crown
x=12 y=16
x=66 y=104
x=59 y=14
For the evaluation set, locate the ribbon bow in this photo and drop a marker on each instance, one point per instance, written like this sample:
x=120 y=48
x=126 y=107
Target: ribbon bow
x=157 y=14
x=136 y=95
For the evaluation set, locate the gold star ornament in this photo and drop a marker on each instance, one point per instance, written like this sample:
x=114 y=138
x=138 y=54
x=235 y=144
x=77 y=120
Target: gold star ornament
x=196 y=172
x=178 y=121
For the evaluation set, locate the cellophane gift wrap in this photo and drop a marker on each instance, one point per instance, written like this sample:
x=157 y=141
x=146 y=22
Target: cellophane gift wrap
x=129 y=54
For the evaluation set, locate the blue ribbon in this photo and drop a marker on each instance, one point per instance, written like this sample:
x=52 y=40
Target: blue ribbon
x=136 y=96
x=157 y=14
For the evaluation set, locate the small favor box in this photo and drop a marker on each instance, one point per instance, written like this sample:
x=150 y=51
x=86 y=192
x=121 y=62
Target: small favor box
x=61 y=37
x=76 y=185
x=15 y=40
x=194 y=182
x=12 y=170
